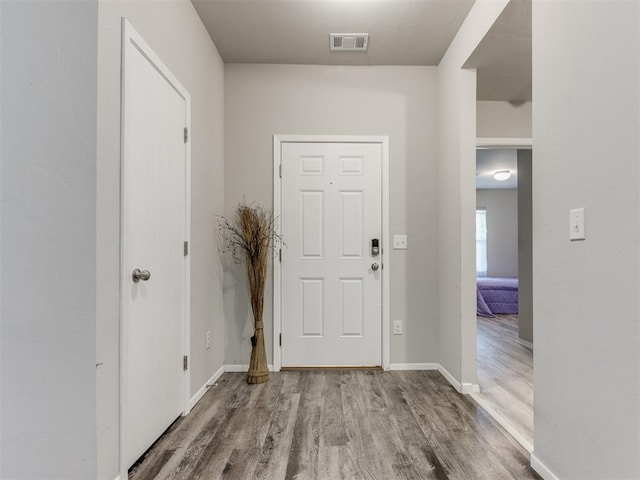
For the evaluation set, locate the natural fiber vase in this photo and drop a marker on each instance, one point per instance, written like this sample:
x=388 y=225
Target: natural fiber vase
x=258 y=371
x=253 y=231
x=256 y=262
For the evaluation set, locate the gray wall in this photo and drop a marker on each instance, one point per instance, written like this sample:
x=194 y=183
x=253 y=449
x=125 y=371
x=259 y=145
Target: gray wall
x=263 y=100
x=503 y=120
x=48 y=239
x=586 y=118
x=455 y=221
x=174 y=31
x=502 y=230
x=525 y=247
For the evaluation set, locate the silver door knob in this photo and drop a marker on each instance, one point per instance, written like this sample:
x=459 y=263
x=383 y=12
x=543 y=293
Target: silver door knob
x=138 y=275
x=375 y=267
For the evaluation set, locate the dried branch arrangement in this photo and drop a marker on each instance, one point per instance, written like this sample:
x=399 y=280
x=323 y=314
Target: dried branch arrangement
x=251 y=236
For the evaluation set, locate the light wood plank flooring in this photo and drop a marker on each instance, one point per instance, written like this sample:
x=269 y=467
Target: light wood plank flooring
x=336 y=424
x=505 y=373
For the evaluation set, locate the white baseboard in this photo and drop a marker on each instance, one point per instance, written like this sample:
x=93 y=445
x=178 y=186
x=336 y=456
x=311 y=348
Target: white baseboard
x=503 y=422
x=242 y=368
x=450 y=378
x=542 y=470
x=200 y=393
x=414 y=366
x=469 y=388
x=525 y=343
x=464 y=388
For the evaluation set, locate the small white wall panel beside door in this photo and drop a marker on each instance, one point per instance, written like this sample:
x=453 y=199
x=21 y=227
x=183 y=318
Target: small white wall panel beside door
x=155 y=166
x=331 y=295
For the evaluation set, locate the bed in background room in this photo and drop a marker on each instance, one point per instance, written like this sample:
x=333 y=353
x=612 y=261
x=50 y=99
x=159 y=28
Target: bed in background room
x=497 y=296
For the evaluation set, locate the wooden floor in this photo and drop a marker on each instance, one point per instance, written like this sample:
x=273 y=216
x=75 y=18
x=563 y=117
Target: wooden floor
x=336 y=424
x=505 y=373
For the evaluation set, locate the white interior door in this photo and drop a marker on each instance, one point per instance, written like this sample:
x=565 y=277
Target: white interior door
x=154 y=229
x=331 y=278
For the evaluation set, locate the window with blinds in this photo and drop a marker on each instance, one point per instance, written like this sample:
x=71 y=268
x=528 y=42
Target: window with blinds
x=481 y=243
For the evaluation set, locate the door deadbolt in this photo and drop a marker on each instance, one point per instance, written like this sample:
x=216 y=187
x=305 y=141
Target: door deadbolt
x=375 y=247
x=138 y=275
x=375 y=267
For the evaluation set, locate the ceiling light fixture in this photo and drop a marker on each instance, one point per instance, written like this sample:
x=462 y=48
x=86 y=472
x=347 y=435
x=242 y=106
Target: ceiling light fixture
x=502 y=175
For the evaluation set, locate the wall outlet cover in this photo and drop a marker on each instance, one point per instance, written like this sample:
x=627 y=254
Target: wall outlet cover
x=400 y=242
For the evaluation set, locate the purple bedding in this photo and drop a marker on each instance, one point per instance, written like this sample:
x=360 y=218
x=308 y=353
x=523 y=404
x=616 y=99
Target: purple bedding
x=497 y=296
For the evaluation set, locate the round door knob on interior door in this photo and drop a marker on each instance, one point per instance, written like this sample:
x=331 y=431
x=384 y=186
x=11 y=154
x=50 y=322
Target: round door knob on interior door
x=375 y=267
x=138 y=275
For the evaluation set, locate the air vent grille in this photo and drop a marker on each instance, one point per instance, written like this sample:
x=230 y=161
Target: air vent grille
x=349 y=41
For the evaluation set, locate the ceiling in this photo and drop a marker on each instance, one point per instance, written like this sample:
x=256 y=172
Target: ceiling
x=402 y=32
x=490 y=160
x=503 y=58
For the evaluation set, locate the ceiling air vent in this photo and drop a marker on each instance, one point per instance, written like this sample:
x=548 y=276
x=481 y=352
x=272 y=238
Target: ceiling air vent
x=357 y=42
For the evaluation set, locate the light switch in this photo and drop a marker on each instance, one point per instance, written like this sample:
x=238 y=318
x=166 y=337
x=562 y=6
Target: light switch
x=397 y=327
x=399 y=242
x=577 y=230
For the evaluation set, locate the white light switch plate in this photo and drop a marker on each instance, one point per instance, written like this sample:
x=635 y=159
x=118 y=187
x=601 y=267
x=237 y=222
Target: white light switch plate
x=577 y=229
x=399 y=242
x=397 y=327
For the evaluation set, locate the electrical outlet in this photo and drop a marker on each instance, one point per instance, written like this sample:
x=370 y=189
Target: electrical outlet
x=208 y=341
x=400 y=242
x=397 y=327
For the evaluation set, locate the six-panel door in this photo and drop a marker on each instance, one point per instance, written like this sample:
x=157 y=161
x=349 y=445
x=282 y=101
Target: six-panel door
x=331 y=290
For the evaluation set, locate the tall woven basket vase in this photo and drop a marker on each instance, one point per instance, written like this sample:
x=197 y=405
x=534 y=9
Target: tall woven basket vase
x=256 y=273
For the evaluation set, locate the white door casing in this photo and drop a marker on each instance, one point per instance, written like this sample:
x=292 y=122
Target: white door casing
x=332 y=202
x=154 y=387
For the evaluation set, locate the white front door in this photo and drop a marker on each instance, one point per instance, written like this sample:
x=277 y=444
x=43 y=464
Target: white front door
x=331 y=278
x=154 y=229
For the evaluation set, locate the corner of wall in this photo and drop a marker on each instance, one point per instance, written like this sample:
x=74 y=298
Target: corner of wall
x=456 y=194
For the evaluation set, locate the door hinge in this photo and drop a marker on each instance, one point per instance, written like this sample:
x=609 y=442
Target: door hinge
x=186 y=134
x=185 y=363
x=186 y=248
x=280 y=339
x=280 y=170
x=280 y=255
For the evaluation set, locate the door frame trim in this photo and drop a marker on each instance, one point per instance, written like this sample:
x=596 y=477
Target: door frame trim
x=383 y=140
x=131 y=36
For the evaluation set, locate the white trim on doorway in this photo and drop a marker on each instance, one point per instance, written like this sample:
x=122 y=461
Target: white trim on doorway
x=131 y=36
x=521 y=143
x=278 y=140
